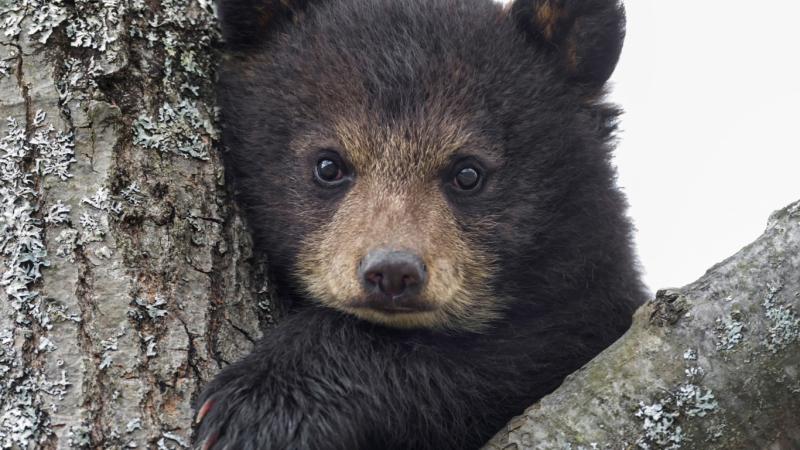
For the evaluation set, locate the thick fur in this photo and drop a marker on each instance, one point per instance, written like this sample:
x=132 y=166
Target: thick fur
x=324 y=380
x=549 y=226
x=586 y=35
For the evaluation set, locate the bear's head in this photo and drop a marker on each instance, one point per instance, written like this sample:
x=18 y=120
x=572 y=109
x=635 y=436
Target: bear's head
x=428 y=163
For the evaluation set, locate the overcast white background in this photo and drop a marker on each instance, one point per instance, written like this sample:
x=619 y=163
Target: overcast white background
x=710 y=141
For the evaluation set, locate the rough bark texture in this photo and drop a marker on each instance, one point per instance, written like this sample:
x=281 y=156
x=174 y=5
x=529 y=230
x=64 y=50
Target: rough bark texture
x=129 y=278
x=713 y=365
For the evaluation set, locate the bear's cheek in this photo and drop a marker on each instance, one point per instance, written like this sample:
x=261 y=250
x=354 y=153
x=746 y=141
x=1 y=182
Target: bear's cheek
x=416 y=220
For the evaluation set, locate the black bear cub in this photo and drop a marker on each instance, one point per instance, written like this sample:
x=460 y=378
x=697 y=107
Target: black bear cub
x=431 y=181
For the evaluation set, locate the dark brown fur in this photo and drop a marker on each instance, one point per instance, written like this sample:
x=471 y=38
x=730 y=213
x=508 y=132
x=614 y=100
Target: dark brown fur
x=528 y=278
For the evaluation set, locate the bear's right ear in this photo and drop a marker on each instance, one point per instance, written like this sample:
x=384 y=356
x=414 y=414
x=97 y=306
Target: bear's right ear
x=585 y=36
x=247 y=23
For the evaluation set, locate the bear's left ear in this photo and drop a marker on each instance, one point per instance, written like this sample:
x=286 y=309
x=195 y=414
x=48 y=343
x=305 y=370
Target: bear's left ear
x=246 y=24
x=585 y=35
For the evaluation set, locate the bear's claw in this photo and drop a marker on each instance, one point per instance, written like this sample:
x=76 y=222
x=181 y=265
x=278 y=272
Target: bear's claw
x=210 y=441
x=203 y=411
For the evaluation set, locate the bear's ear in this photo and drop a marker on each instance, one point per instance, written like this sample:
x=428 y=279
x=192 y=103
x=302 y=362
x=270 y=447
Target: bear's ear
x=585 y=35
x=247 y=23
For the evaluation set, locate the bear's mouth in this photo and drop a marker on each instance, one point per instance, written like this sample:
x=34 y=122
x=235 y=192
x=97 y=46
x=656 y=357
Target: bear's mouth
x=397 y=305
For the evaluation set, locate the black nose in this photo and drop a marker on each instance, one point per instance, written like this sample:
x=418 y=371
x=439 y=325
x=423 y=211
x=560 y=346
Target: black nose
x=395 y=273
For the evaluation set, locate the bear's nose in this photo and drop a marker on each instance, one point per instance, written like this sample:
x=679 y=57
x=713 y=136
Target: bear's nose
x=395 y=273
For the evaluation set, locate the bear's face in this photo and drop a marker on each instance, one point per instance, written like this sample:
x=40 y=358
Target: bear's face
x=399 y=198
x=417 y=163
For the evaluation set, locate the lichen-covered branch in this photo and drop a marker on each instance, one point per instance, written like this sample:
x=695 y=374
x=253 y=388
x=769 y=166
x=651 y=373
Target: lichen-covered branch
x=129 y=278
x=713 y=365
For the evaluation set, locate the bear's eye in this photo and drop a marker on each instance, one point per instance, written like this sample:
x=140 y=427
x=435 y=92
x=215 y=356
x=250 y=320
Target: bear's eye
x=329 y=170
x=468 y=178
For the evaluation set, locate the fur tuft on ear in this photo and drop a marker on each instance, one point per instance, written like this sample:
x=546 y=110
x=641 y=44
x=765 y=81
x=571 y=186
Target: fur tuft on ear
x=586 y=35
x=247 y=23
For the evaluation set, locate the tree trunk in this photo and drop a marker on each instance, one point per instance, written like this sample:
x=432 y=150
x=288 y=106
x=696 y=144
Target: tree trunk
x=713 y=365
x=129 y=277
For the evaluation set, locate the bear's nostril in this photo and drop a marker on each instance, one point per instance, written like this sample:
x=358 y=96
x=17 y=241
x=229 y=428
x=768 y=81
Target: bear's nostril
x=393 y=273
x=374 y=278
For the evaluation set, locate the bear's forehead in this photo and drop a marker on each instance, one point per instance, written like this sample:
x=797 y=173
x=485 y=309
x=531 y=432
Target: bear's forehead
x=418 y=145
x=396 y=55
x=397 y=84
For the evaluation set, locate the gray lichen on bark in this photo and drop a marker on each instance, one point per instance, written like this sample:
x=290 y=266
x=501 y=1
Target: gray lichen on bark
x=129 y=277
x=713 y=365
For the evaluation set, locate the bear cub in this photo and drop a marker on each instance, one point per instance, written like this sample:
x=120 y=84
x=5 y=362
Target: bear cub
x=431 y=182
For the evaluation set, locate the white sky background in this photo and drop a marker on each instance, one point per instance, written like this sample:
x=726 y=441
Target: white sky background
x=710 y=141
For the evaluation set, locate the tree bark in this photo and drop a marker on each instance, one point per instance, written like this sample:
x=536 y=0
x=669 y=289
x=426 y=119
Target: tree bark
x=713 y=365
x=129 y=277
